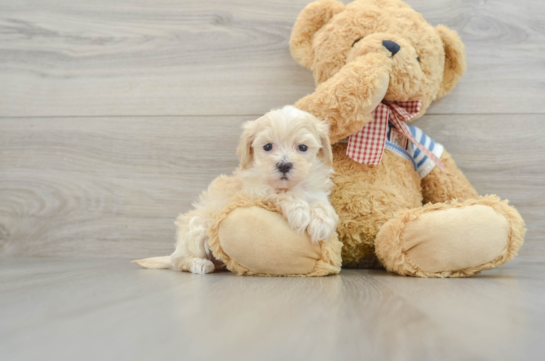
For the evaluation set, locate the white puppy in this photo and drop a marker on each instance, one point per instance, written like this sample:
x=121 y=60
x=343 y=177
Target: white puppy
x=285 y=157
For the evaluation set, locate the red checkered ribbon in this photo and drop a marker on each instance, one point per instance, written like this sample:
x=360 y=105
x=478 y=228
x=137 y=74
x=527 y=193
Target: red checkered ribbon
x=367 y=145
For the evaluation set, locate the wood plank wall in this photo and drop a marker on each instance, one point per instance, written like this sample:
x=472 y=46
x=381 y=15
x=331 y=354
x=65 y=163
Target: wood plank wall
x=115 y=115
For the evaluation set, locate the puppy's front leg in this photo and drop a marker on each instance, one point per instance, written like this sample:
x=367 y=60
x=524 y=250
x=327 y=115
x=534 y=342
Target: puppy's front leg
x=323 y=221
x=297 y=212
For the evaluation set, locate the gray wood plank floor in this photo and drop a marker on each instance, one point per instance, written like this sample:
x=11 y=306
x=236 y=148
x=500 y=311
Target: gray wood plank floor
x=112 y=310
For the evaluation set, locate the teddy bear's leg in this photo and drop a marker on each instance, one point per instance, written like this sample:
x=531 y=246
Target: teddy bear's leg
x=439 y=186
x=263 y=242
x=452 y=239
x=253 y=238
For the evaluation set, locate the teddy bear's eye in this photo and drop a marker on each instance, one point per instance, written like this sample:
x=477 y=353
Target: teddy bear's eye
x=354 y=43
x=418 y=59
x=267 y=147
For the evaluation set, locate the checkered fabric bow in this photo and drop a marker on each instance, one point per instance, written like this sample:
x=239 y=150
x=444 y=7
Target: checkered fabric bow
x=367 y=145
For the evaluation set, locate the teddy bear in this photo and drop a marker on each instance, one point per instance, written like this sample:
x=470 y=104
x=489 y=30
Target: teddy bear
x=402 y=202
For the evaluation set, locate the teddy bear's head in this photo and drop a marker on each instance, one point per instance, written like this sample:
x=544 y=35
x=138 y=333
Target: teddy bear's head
x=427 y=62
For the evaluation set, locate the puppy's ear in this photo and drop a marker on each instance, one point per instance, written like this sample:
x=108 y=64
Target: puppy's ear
x=244 y=148
x=323 y=131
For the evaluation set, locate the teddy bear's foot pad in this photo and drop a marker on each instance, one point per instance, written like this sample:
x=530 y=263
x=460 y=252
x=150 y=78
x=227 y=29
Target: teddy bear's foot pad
x=451 y=240
x=263 y=242
x=455 y=238
x=252 y=238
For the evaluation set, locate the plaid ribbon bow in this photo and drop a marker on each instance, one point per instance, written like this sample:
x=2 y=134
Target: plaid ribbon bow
x=367 y=145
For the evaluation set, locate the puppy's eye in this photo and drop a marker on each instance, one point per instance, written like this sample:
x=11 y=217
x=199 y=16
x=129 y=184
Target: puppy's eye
x=267 y=147
x=302 y=148
x=354 y=43
x=418 y=58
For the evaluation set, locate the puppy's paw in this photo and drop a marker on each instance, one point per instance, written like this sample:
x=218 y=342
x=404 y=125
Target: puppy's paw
x=298 y=215
x=323 y=222
x=199 y=266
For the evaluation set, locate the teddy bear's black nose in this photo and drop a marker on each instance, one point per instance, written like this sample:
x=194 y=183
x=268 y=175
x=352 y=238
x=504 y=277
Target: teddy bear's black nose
x=391 y=46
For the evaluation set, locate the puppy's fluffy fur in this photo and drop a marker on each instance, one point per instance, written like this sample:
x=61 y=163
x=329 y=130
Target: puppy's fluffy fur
x=285 y=157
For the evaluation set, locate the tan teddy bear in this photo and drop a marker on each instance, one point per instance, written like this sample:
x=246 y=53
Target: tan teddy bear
x=402 y=201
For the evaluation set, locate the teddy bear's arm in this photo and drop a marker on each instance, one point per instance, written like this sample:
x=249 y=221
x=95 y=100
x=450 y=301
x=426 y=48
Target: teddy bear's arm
x=438 y=186
x=347 y=99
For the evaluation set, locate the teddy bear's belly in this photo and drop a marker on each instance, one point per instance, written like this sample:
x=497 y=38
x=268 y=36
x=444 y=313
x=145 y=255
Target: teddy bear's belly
x=365 y=197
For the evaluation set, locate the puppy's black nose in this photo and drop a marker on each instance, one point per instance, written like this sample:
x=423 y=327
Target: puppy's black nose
x=391 y=46
x=284 y=167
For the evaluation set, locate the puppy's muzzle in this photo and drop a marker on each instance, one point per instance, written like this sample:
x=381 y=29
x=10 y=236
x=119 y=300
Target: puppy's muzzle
x=284 y=167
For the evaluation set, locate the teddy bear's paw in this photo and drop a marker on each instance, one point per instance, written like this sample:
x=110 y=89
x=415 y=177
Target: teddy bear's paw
x=454 y=239
x=297 y=214
x=199 y=266
x=323 y=222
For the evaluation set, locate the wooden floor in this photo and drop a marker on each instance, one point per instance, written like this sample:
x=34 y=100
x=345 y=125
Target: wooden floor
x=113 y=310
x=114 y=115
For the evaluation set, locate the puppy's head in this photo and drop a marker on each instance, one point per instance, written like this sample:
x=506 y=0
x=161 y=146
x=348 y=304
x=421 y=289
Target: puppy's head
x=282 y=146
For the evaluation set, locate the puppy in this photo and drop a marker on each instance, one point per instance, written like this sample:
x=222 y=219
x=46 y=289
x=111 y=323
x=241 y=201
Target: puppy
x=285 y=157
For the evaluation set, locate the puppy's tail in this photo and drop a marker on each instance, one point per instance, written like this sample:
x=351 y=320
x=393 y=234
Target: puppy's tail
x=154 y=262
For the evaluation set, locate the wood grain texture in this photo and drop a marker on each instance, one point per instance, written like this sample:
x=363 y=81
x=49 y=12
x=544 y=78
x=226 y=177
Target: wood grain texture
x=218 y=57
x=106 y=310
x=106 y=185
x=111 y=187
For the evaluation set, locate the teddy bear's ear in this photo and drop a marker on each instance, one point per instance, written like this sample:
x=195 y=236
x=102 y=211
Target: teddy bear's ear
x=312 y=18
x=455 y=59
